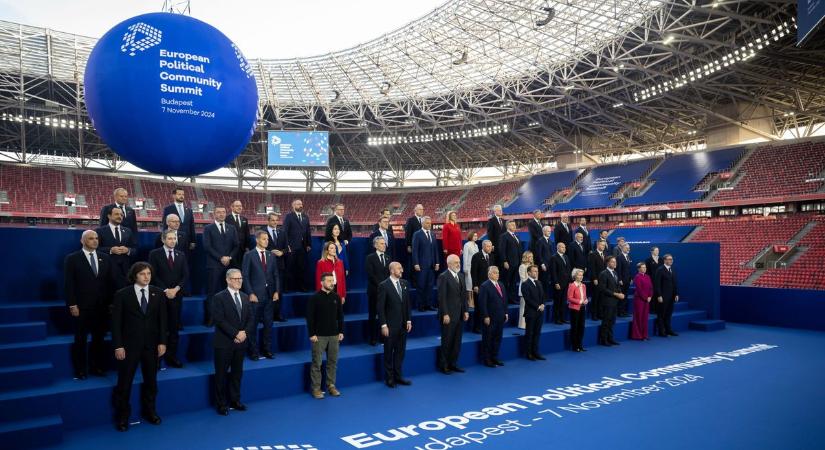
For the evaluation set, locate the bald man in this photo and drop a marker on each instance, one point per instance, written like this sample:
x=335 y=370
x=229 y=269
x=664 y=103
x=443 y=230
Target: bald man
x=121 y=200
x=452 y=312
x=88 y=289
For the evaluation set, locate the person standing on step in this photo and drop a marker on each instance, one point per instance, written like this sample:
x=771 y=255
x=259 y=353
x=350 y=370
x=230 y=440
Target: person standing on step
x=666 y=293
x=241 y=225
x=385 y=232
x=452 y=312
x=533 y=292
x=582 y=228
x=425 y=261
x=492 y=308
x=509 y=258
x=325 y=325
x=562 y=233
x=395 y=319
x=234 y=323
x=414 y=223
x=337 y=218
x=478 y=267
x=577 y=302
x=641 y=302
x=623 y=267
x=186 y=218
x=219 y=242
x=298 y=245
x=276 y=244
x=170 y=270
x=262 y=284
x=120 y=243
x=535 y=227
x=652 y=263
x=377 y=266
x=609 y=294
x=561 y=269
x=121 y=197
x=595 y=266
x=495 y=226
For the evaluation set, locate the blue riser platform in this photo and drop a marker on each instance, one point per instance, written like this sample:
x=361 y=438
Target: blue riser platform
x=37 y=432
x=707 y=325
x=22 y=332
x=26 y=376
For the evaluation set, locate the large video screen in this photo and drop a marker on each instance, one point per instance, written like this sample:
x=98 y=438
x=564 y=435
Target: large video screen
x=809 y=16
x=298 y=148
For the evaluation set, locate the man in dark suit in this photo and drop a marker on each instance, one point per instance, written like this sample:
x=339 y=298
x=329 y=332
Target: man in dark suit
x=509 y=258
x=560 y=268
x=171 y=272
x=533 y=294
x=377 y=266
x=578 y=253
x=425 y=260
x=343 y=224
x=535 y=226
x=87 y=286
x=384 y=213
x=582 y=228
x=276 y=244
x=609 y=294
x=495 y=226
x=298 y=245
x=385 y=232
x=666 y=293
x=172 y=222
x=595 y=266
x=121 y=197
x=219 y=241
x=395 y=319
x=607 y=248
x=544 y=259
x=492 y=306
x=139 y=338
x=623 y=267
x=453 y=312
x=120 y=244
x=234 y=323
x=562 y=233
x=478 y=273
x=186 y=217
x=412 y=226
x=617 y=249
x=241 y=224
x=260 y=283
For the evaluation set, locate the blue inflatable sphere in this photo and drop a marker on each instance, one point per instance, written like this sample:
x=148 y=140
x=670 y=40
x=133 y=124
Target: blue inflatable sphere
x=171 y=94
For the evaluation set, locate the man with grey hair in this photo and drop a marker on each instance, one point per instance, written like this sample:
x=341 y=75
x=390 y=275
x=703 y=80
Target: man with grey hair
x=562 y=233
x=535 y=227
x=624 y=268
x=298 y=245
x=121 y=197
x=395 y=319
x=425 y=260
x=543 y=259
x=234 y=323
x=185 y=216
x=173 y=223
x=452 y=312
x=479 y=266
x=377 y=266
x=495 y=227
x=412 y=226
x=492 y=308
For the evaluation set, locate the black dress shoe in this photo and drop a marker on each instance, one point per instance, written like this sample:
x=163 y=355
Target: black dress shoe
x=457 y=369
x=576 y=350
x=152 y=418
x=373 y=342
x=80 y=375
x=664 y=335
x=490 y=364
x=672 y=333
x=390 y=383
x=174 y=362
x=280 y=319
x=539 y=357
x=531 y=358
x=122 y=426
x=614 y=343
x=497 y=362
x=403 y=381
x=604 y=343
x=238 y=406
x=97 y=372
x=445 y=371
x=565 y=321
x=269 y=355
x=254 y=357
x=582 y=349
x=223 y=411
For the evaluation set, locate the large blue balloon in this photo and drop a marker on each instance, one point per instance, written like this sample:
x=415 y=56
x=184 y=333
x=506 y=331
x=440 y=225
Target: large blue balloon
x=171 y=94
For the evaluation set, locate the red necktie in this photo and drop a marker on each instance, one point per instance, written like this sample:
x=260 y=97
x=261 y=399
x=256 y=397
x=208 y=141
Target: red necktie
x=263 y=261
x=171 y=260
x=498 y=288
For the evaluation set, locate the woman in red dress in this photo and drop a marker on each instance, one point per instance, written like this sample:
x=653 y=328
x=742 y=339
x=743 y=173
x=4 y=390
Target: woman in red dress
x=451 y=236
x=641 y=303
x=330 y=262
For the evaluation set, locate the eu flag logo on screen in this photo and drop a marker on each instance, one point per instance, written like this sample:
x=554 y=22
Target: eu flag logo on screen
x=298 y=148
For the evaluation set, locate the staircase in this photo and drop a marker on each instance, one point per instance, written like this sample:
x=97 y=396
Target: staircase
x=711 y=192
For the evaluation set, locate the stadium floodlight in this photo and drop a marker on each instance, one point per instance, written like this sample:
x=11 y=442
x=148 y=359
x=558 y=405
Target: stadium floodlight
x=551 y=13
x=385 y=88
x=417 y=138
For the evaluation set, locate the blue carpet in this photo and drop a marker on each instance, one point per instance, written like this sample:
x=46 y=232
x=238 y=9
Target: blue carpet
x=770 y=399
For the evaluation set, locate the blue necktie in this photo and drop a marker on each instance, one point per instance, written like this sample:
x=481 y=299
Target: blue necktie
x=238 y=306
x=144 y=304
x=93 y=262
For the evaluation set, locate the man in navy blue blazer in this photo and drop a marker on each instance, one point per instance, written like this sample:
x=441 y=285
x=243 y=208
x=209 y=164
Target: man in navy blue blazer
x=509 y=254
x=276 y=245
x=170 y=274
x=120 y=243
x=185 y=215
x=624 y=269
x=385 y=232
x=425 y=263
x=544 y=259
x=260 y=283
x=121 y=197
x=492 y=308
x=234 y=323
x=172 y=222
x=578 y=252
x=219 y=241
x=298 y=245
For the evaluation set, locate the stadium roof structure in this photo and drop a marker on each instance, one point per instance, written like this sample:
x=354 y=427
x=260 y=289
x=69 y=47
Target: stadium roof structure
x=598 y=78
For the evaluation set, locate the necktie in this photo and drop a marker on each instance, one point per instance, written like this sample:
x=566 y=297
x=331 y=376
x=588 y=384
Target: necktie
x=341 y=219
x=180 y=211
x=171 y=260
x=238 y=306
x=499 y=221
x=299 y=217
x=498 y=288
x=93 y=262
x=381 y=256
x=486 y=259
x=398 y=289
x=221 y=224
x=428 y=235
x=263 y=260
x=144 y=304
x=117 y=234
x=272 y=235
x=384 y=235
x=237 y=220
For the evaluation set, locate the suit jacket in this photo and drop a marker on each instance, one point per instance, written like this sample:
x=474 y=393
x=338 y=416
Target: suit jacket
x=80 y=285
x=227 y=322
x=165 y=277
x=623 y=268
x=561 y=268
x=297 y=233
x=129 y=218
x=478 y=268
x=664 y=283
x=490 y=303
x=346 y=229
x=376 y=272
x=390 y=242
x=653 y=266
x=425 y=251
x=133 y=330
x=410 y=228
x=574 y=296
x=187 y=222
x=577 y=255
x=509 y=250
x=242 y=231
x=533 y=297
x=276 y=243
x=544 y=256
x=595 y=264
x=217 y=245
x=562 y=234
x=120 y=263
x=182 y=244
x=535 y=235
x=494 y=230
x=608 y=286
x=452 y=296
x=586 y=242
x=394 y=311
x=263 y=282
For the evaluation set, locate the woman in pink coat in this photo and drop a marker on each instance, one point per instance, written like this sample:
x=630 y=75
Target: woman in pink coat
x=641 y=303
x=576 y=299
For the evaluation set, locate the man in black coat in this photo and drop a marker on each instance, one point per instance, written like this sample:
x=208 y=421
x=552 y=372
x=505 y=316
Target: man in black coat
x=298 y=245
x=479 y=265
x=609 y=294
x=582 y=228
x=172 y=222
x=414 y=223
x=533 y=294
x=234 y=323
x=544 y=259
x=377 y=266
x=87 y=286
x=139 y=338
x=121 y=197
x=385 y=232
x=562 y=232
x=452 y=312
x=395 y=319
x=220 y=239
x=241 y=224
x=495 y=226
x=509 y=259
x=492 y=308
x=624 y=267
x=666 y=293
x=595 y=266
x=343 y=224
x=171 y=272
x=120 y=243
x=560 y=269
x=186 y=217
x=277 y=246
x=534 y=226
x=578 y=252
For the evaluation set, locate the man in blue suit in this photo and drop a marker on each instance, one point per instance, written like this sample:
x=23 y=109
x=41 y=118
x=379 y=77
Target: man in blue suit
x=277 y=246
x=425 y=263
x=185 y=215
x=120 y=243
x=260 y=283
x=385 y=232
x=121 y=197
x=298 y=245
x=219 y=241
x=509 y=254
x=492 y=307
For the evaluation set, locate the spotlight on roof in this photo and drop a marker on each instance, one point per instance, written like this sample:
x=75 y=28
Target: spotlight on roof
x=462 y=59
x=337 y=95
x=385 y=87
x=551 y=13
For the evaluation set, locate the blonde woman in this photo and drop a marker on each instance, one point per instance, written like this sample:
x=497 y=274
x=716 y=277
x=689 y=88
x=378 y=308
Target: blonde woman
x=526 y=262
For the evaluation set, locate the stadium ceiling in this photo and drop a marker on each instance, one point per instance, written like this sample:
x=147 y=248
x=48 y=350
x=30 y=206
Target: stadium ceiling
x=596 y=77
